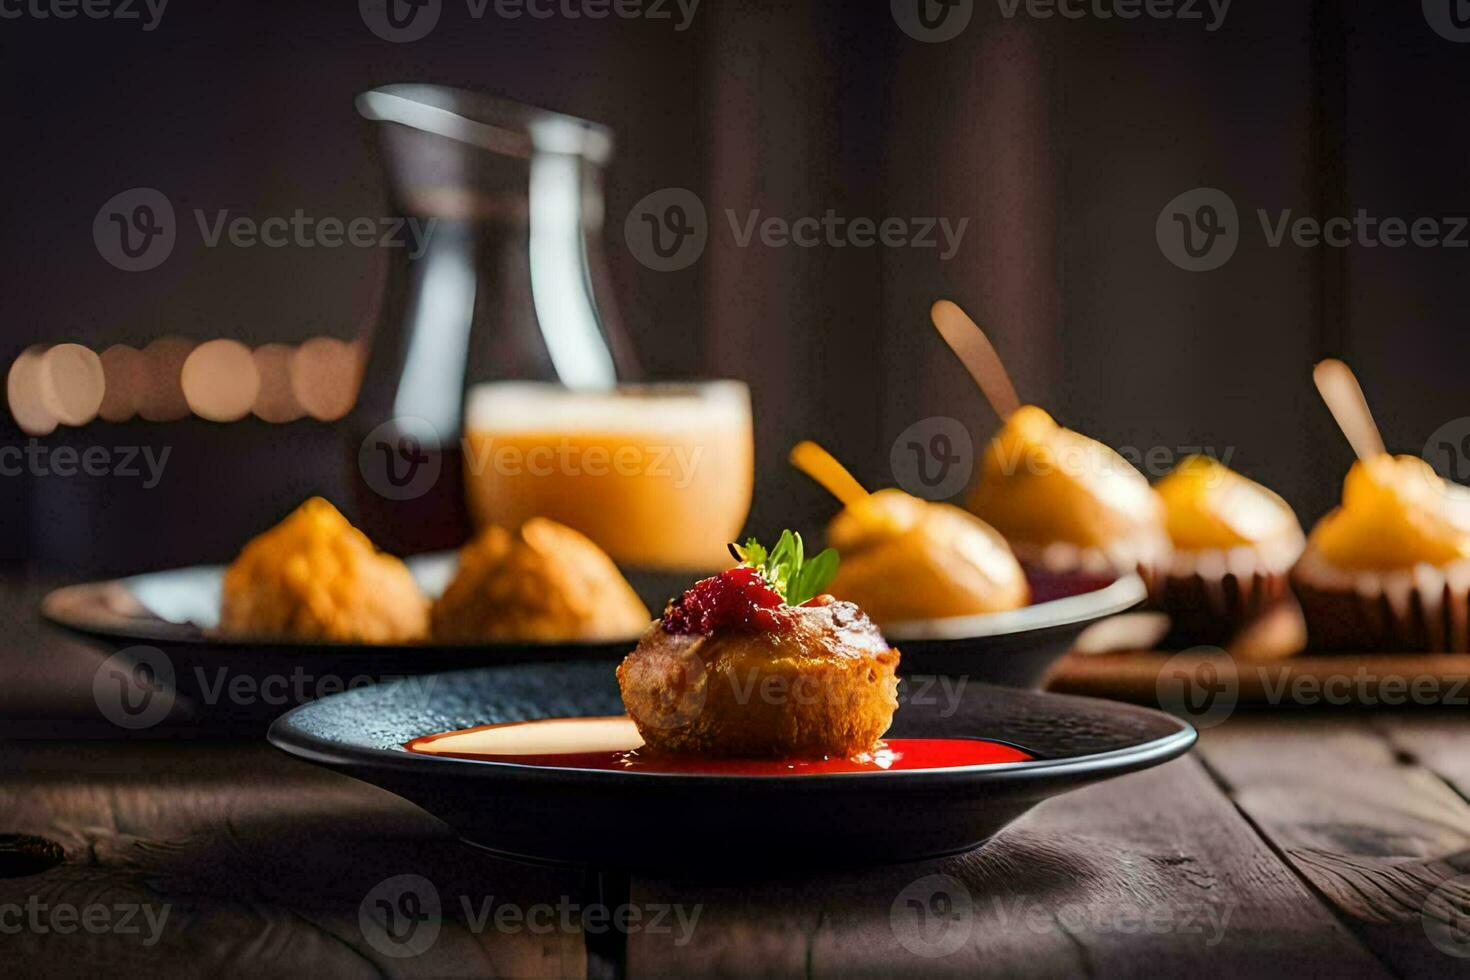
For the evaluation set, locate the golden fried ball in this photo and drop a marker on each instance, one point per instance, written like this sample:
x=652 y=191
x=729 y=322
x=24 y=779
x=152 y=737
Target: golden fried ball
x=316 y=577
x=543 y=583
x=904 y=558
x=823 y=685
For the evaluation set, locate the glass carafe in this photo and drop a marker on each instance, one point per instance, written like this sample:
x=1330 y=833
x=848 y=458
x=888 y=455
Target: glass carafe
x=499 y=385
x=509 y=284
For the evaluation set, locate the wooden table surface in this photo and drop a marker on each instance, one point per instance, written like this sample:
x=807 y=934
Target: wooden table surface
x=1291 y=843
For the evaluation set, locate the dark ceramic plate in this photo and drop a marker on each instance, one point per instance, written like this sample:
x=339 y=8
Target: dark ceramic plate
x=167 y=657
x=160 y=626
x=1016 y=648
x=641 y=820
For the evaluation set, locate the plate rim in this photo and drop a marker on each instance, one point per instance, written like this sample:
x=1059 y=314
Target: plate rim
x=1118 y=596
x=287 y=737
x=1122 y=594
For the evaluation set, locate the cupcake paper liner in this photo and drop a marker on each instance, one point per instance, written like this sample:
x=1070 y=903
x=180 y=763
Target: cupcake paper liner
x=1211 y=594
x=1420 y=609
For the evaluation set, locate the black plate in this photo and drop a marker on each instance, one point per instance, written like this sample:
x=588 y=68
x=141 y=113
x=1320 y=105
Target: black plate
x=159 y=627
x=640 y=820
x=1015 y=648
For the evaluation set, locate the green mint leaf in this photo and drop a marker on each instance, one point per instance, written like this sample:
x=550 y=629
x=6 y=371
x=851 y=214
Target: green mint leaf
x=813 y=578
x=785 y=568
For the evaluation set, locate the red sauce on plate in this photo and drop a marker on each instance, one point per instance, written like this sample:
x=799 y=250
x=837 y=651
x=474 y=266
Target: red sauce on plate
x=613 y=744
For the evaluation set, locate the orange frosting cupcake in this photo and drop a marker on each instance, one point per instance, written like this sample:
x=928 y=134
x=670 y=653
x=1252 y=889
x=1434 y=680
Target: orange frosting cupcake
x=1066 y=501
x=1389 y=569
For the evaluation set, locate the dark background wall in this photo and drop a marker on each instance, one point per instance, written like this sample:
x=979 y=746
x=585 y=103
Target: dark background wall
x=1061 y=141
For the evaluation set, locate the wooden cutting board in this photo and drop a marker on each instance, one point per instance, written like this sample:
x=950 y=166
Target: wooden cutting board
x=1162 y=678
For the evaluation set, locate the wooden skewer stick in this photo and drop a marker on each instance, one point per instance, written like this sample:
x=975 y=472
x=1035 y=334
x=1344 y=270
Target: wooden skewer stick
x=823 y=467
x=1344 y=397
x=973 y=348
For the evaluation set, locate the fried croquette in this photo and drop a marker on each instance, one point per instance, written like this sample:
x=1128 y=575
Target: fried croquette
x=543 y=583
x=821 y=684
x=316 y=577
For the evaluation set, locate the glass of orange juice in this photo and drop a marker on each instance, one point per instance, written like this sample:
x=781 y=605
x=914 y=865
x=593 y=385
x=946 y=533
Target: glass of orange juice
x=659 y=475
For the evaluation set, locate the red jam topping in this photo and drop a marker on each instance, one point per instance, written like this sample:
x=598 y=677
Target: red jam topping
x=736 y=599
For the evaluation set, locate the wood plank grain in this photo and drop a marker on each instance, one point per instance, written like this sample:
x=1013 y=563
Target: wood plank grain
x=1151 y=874
x=1373 y=832
x=1438 y=743
x=250 y=863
